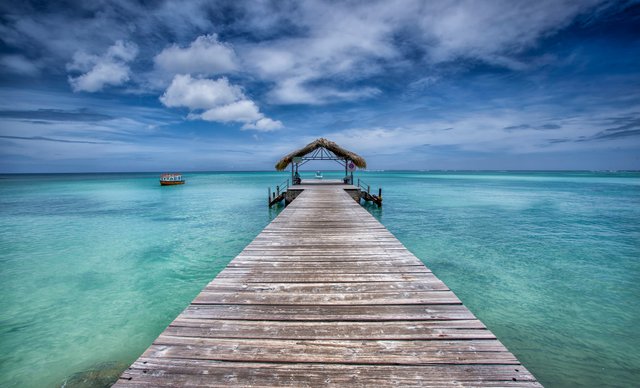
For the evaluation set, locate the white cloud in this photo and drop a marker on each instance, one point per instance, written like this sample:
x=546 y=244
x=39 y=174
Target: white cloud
x=495 y=31
x=216 y=100
x=18 y=64
x=265 y=124
x=347 y=42
x=341 y=44
x=295 y=48
x=343 y=39
x=124 y=51
x=102 y=74
x=97 y=24
x=204 y=56
x=244 y=111
x=110 y=68
x=196 y=93
x=294 y=90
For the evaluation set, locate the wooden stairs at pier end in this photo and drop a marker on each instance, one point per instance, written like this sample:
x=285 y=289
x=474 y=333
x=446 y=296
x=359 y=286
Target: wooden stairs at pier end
x=326 y=296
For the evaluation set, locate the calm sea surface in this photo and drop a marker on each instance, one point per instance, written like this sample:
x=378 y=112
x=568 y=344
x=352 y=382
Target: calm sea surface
x=93 y=267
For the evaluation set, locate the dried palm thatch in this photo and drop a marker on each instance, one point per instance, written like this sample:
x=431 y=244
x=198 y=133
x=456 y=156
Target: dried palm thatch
x=324 y=143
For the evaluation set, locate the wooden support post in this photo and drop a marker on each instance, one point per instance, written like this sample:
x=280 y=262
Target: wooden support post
x=278 y=189
x=269 y=197
x=379 y=192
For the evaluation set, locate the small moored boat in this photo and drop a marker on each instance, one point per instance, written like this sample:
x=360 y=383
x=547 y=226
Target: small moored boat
x=171 y=179
x=318 y=175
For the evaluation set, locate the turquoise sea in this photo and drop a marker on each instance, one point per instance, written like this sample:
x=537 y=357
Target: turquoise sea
x=94 y=266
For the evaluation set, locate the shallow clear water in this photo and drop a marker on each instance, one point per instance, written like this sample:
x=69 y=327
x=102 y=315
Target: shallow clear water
x=93 y=267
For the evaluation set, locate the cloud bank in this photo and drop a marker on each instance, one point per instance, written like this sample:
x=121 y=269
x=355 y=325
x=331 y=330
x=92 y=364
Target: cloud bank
x=216 y=100
x=411 y=77
x=308 y=53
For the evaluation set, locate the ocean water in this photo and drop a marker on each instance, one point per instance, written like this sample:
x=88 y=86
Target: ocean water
x=94 y=266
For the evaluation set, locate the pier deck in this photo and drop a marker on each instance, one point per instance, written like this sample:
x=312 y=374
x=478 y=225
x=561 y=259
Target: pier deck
x=325 y=295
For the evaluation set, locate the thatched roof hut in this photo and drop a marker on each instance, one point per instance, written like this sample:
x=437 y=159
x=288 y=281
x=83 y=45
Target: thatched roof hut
x=321 y=143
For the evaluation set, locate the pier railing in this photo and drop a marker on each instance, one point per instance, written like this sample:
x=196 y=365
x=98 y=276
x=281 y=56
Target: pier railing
x=365 y=189
x=277 y=194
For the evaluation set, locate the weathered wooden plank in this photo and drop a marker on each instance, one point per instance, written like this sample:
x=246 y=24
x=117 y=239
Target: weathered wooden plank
x=385 y=352
x=330 y=313
x=307 y=265
x=392 y=274
x=350 y=299
x=394 y=330
x=301 y=277
x=231 y=379
x=318 y=257
x=344 y=268
x=323 y=288
x=269 y=374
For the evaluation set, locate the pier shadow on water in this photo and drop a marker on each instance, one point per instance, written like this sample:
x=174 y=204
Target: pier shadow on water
x=375 y=210
x=100 y=375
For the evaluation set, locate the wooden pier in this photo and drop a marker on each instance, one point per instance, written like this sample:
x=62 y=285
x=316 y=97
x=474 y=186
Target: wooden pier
x=326 y=296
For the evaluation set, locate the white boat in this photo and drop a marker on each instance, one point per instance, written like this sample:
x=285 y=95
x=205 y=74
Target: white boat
x=318 y=175
x=171 y=179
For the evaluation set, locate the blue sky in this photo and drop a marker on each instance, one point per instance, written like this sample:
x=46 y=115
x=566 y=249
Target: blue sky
x=234 y=85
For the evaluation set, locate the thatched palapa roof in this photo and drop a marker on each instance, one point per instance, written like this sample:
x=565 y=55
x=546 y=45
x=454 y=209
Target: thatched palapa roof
x=326 y=144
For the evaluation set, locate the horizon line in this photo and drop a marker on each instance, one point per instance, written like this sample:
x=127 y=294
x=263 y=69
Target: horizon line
x=323 y=170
